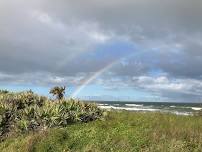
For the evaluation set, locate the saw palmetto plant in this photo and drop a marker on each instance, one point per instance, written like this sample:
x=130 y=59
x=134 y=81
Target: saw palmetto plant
x=26 y=111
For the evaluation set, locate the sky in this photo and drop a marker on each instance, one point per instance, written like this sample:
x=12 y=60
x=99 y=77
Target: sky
x=135 y=50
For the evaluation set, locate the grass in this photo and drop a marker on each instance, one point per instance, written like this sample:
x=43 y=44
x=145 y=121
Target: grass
x=120 y=131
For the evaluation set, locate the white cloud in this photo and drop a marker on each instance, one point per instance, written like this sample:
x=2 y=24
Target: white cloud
x=99 y=37
x=56 y=80
x=163 y=83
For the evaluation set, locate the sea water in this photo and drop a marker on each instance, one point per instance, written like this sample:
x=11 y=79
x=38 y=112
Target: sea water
x=176 y=108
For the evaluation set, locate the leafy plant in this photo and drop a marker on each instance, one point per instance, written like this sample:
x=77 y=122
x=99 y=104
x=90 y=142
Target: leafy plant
x=4 y=91
x=58 y=92
x=26 y=111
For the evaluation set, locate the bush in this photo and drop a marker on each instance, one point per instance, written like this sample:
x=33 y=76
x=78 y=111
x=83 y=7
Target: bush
x=26 y=111
x=4 y=91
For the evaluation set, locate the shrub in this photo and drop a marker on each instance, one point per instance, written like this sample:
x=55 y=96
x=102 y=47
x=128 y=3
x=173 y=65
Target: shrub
x=4 y=91
x=26 y=111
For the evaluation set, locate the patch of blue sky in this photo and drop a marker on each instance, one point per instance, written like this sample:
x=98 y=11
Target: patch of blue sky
x=41 y=90
x=129 y=94
x=18 y=88
x=156 y=72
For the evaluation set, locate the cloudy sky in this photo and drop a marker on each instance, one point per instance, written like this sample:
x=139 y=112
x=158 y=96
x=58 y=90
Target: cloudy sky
x=148 y=50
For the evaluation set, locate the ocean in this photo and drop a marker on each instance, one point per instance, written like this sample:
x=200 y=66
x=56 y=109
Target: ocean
x=175 y=108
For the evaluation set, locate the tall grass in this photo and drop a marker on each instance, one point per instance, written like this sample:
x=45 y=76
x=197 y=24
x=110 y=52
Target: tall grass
x=121 y=131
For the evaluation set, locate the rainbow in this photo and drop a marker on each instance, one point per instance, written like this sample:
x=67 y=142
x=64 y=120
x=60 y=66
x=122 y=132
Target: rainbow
x=93 y=77
x=99 y=73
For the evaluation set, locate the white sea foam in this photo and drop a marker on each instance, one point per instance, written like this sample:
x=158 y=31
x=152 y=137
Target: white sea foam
x=196 y=108
x=172 y=106
x=129 y=109
x=182 y=113
x=134 y=105
x=102 y=104
x=144 y=109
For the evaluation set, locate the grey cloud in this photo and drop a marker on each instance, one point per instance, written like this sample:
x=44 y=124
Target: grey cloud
x=59 y=38
x=42 y=79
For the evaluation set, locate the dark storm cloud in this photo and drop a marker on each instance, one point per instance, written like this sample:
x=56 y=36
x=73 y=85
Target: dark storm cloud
x=64 y=39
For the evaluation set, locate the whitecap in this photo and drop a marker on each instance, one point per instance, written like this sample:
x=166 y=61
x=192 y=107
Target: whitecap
x=134 y=105
x=196 y=108
x=182 y=113
x=129 y=109
x=145 y=109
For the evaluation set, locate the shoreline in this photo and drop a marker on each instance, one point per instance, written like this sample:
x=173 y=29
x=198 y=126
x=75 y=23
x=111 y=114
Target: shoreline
x=186 y=111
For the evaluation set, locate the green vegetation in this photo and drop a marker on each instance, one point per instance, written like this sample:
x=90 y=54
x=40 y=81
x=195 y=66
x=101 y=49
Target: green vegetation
x=58 y=92
x=120 y=131
x=60 y=128
x=24 y=112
